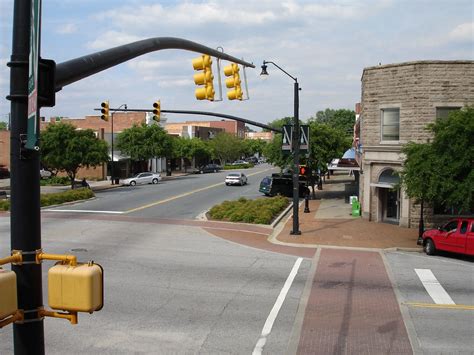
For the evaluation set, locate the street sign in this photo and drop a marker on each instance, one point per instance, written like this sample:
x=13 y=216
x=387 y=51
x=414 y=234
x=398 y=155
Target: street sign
x=304 y=138
x=287 y=138
x=32 y=136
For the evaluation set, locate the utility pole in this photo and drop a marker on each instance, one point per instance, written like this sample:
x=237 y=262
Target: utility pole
x=28 y=335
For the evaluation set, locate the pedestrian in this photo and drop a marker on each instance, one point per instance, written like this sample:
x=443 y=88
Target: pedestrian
x=85 y=184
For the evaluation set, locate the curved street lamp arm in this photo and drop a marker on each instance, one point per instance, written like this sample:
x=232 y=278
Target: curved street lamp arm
x=292 y=77
x=76 y=69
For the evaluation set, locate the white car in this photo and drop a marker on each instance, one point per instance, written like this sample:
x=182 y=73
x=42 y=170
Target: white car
x=142 y=178
x=236 y=178
x=45 y=173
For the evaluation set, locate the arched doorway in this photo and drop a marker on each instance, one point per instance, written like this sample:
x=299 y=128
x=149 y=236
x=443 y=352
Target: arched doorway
x=389 y=196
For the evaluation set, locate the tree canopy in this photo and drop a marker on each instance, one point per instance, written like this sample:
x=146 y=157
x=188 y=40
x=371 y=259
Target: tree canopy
x=66 y=149
x=341 y=119
x=226 y=147
x=142 y=142
x=441 y=171
x=3 y=126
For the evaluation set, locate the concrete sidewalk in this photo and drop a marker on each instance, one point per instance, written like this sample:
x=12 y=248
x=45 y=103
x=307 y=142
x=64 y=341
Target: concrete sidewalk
x=330 y=223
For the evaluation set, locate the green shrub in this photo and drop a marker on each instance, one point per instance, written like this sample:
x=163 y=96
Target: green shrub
x=262 y=210
x=56 y=199
x=55 y=180
x=239 y=166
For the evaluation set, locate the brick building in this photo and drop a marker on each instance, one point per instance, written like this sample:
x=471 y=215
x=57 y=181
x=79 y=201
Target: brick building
x=398 y=101
x=188 y=128
x=264 y=136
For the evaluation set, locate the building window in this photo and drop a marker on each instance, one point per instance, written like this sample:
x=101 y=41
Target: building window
x=443 y=112
x=390 y=124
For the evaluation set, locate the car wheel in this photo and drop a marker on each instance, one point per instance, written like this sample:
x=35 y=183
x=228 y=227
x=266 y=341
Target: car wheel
x=430 y=248
x=154 y=181
x=227 y=184
x=132 y=183
x=215 y=170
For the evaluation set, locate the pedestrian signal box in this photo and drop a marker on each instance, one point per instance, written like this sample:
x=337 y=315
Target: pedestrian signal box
x=76 y=288
x=8 y=297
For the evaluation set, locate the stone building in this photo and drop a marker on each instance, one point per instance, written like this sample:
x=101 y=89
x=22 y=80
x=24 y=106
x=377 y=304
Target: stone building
x=398 y=101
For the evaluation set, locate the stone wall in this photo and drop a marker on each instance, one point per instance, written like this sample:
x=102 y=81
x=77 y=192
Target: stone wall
x=417 y=88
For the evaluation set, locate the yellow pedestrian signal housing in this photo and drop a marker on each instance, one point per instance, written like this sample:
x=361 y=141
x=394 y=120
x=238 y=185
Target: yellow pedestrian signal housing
x=76 y=288
x=8 y=296
x=157 y=111
x=233 y=82
x=205 y=77
x=104 y=111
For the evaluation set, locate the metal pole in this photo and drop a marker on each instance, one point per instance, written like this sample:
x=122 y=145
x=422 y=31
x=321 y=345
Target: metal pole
x=296 y=161
x=112 y=148
x=25 y=223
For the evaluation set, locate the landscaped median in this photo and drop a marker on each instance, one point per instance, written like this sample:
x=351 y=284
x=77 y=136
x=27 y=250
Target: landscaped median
x=261 y=211
x=56 y=198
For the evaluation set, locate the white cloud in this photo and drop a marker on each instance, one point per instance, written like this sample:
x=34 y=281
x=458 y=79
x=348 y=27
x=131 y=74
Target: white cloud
x=463 y=32
x=112 y=39
x=67 y=28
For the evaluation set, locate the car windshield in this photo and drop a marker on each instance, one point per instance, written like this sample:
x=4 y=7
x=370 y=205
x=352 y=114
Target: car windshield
x=233 y=175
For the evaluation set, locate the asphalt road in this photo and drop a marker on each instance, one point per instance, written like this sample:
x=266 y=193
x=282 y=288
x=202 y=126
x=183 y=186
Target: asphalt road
x=183 y=197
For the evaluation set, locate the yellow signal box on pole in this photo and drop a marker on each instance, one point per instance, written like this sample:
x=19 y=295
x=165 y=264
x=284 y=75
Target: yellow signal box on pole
x=157 y=111
x=104 y=111
x=8 y=294
x=233 y=82
x=204 y=77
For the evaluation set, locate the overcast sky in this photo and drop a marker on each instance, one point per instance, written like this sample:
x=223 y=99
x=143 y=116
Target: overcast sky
x=325 y=44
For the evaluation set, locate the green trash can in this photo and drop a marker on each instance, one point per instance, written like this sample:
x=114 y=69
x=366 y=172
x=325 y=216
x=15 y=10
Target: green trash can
x=355 y=209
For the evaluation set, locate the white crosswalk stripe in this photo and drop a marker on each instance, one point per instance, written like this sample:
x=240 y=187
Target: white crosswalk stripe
x=433 y=287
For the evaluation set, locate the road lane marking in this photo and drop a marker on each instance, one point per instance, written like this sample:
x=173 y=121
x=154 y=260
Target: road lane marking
x=267 y=327
x=85 y=211
x=433 y=287
x=184 y=195
x=440 y=306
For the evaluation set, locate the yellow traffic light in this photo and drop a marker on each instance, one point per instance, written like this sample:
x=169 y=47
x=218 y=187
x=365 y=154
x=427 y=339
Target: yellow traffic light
x=205 y=78
x=157 y=111
x=105 y=111
x=233 y=82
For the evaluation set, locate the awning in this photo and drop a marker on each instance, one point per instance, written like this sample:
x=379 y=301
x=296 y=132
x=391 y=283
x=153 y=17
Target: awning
x=118 y=156
x=382 y=185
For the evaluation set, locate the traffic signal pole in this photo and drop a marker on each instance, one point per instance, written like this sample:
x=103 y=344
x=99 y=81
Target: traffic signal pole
x=296 y=161
x=28 y=335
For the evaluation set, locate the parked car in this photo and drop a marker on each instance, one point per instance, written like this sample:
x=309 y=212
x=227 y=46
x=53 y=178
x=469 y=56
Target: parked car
x=209 y=168
x=253 y=160
x=45 y=173
x=4 y=172
x=142 y=178
x=281 y=185
x=456 y=236
x=236 y=178
x=239 y=162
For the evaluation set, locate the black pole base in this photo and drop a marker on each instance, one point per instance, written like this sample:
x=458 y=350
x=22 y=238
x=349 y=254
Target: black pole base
x=295 y=233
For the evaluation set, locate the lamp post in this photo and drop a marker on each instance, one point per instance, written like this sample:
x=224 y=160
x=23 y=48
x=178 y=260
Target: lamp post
x=295 y=142
x=112 y=142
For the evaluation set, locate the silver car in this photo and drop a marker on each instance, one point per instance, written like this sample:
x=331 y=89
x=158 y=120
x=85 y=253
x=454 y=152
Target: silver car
x=142 y=178
x=236 y=178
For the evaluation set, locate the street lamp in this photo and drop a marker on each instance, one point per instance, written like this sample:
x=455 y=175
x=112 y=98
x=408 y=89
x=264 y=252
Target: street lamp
x=112 y=142
x=296 y=147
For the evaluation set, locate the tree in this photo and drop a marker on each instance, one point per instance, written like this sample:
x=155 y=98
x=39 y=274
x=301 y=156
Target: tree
x=190 y=149
x=3 y=126
x=279 y=123
x=142 y=142
x=275 y=155
x=326 y=143
x=66 y=149
x=441 y=172
x=226 y=147
x=341 y=119
x=254 y=146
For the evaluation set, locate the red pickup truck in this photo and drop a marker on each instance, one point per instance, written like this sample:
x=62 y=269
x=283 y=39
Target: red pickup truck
x=456 y=236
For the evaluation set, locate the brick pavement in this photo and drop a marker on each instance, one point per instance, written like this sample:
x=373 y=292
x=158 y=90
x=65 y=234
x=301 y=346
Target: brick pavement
x=352 y=308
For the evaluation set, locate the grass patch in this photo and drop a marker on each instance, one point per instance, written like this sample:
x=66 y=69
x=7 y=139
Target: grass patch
x=56 y=198
x=261 y=210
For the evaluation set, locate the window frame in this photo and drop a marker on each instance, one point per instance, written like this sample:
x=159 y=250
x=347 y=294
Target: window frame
x=382 y=125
